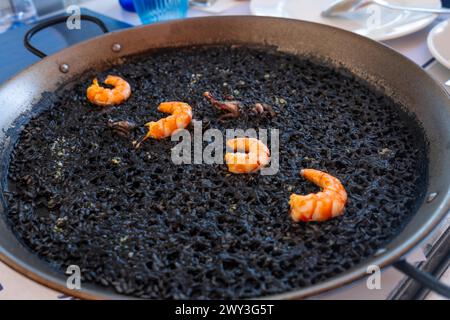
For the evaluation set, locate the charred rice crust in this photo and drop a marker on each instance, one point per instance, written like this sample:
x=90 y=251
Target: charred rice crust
x=134 y=221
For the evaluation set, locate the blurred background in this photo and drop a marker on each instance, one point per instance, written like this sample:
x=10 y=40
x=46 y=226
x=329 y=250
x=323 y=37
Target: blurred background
x=29 y=10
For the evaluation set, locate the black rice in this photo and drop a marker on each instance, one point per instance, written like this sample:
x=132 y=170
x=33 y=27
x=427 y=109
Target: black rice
x=132 y=220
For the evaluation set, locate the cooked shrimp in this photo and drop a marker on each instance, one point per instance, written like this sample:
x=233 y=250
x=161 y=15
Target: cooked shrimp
x=180 y=119
x=321 y=206
x=104 y=96
x=249 y=155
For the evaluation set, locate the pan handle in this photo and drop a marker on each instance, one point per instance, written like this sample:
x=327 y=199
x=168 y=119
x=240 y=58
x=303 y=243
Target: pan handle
x=423 y=278
x=52 y=22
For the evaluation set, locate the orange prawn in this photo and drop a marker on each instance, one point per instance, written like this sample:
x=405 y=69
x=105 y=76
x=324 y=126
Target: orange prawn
x=181 y=116
x=321 y=206
x=249 y=155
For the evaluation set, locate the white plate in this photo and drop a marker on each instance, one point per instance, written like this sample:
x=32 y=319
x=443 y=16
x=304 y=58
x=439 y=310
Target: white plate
x=374 y=21
x=439 y=42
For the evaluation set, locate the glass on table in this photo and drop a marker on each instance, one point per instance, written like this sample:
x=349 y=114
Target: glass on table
x=15 y=13
x=159 y=10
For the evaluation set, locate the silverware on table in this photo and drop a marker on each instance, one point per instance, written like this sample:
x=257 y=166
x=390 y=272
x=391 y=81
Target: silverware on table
x=344 y=6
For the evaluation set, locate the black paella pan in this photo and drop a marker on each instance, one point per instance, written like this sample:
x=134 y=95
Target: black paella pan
x=383 y=68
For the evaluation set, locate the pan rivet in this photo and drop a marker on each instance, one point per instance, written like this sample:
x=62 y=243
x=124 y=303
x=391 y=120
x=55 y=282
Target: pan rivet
x=116 y=47
x=64 y=68
x=380 y=251
x=431 y=196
